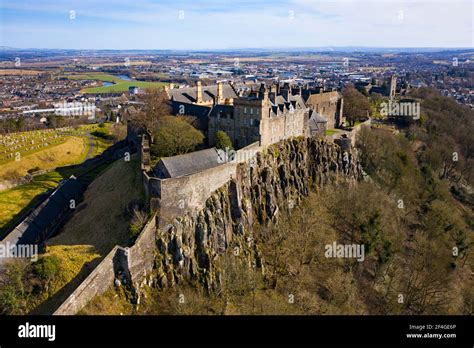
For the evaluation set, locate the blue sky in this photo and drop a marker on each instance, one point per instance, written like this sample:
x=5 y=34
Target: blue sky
x=222 y=24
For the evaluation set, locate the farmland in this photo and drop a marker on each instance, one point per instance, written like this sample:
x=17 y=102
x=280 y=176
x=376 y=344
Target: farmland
x=119 y=85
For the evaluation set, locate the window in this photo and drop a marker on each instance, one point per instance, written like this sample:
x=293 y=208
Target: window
x=245 y=110
x=251 y=111
x=251 y=120
x=256 y=111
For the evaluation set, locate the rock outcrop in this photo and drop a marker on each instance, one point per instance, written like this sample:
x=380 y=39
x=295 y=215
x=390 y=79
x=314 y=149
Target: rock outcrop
x=274 y=181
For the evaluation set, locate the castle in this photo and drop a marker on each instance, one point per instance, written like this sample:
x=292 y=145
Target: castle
x=264 y=114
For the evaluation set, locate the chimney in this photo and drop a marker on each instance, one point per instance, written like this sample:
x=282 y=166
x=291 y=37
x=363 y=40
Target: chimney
x=220 y=92
x=198 y=92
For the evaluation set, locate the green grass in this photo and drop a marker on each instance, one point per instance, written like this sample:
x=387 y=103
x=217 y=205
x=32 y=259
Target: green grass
x=17 y=200
x=75 y=262
x=119 y=86
x=346 y=124
x=95 y=76
x=97 y=221
x=331 y=132
x=123 y=87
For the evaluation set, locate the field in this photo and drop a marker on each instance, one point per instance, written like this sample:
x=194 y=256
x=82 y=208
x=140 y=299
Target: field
x=22 y=72
x=96 y=77
x=119 y=85
x=65 y=147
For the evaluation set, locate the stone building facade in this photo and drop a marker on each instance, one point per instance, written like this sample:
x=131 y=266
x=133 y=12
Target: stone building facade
x=263 y=116
x=327 y=104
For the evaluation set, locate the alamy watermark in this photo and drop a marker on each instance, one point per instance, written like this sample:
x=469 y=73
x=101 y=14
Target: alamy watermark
x=75 y=109
x=26 y=251
x=231 y=156
x=349 y=251
x=407 y=109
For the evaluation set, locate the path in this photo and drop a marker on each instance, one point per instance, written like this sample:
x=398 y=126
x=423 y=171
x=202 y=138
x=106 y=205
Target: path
x=91 y=146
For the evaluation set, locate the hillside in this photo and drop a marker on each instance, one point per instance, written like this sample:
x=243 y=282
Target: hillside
x=101 y=219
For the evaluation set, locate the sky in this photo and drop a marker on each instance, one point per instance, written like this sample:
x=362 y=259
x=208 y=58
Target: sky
x=233 y=24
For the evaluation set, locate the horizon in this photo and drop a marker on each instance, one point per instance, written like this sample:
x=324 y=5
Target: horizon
x=184 y=25
x=322 y=49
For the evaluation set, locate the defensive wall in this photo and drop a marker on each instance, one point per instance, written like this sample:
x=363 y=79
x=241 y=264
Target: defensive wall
x=133 y=264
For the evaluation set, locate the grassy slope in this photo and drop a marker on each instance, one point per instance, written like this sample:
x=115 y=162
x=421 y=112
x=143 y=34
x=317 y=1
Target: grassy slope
x=17 y=199
x=76 y=261
x=101 y=220
x=99 y=223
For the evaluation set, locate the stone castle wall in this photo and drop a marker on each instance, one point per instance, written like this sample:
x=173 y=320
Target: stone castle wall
x=188 y=194
x=136 y=263
x=95 y=284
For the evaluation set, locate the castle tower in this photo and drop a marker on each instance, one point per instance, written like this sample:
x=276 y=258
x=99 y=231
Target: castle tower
x=220 y=93
x=198 y=92
x=392 y=86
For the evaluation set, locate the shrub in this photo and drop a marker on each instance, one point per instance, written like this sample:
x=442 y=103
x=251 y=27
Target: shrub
x=175 y=136
x=47 y=267
x=223 y=141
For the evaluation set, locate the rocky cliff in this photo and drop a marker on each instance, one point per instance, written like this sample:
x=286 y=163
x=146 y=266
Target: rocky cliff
x=273 y=182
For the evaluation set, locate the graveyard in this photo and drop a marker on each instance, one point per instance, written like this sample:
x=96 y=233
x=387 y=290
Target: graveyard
x=28 y=163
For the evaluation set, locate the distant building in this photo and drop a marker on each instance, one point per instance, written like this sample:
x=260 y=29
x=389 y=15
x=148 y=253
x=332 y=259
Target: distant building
x=392 y=87
x=133 y=90
x=389 y=90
